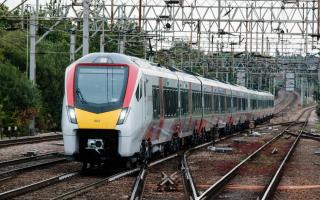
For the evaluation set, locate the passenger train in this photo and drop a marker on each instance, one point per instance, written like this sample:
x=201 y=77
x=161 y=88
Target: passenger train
x=118 y=106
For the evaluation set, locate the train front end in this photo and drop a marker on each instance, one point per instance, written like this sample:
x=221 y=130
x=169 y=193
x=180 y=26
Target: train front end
x=95 y=107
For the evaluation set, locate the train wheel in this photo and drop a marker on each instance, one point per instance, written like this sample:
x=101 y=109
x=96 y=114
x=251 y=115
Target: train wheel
x=84 y=166
x=145 y=151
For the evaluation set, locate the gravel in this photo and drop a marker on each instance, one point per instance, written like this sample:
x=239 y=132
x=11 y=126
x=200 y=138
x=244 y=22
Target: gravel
x=37 y=175
x=257 y=172
x=17 y=151
x=154 y=177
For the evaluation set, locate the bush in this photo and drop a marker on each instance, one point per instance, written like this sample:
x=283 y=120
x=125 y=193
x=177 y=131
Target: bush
x=20 y=100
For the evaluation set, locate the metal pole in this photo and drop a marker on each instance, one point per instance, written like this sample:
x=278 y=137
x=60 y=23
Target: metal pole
x=72 y=45
x=37 y=13
x=306 y=29
x=219 y=15
x=102 y=43
x=247 y=16
x=262 y=38
x=85 y=34
x=22 y=12
x=274 y=86
x=251 y=27
x=140 y=13
x=102 y=38
x=32 y=74
x=318 y=32
x=301 y=90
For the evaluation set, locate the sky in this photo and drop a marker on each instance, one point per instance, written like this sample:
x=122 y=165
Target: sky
x=293 y=45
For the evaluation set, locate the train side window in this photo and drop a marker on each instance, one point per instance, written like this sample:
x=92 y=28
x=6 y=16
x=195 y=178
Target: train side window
x=184 y=101
x=156 y=102
x=216 y=103
x=251 y=104
x=228 y=104
x=246 y=104
x=170 y=96
x=196 y=102
x=193 y=101
x=234 y=104
x=207 y=102
x=139 y=91
x=222 y=104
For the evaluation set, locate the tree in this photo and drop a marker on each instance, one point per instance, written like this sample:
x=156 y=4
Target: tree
x=21 y=100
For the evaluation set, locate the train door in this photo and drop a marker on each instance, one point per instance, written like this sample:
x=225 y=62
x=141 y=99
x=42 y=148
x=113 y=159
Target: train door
x=139 y=109
x=144 y=99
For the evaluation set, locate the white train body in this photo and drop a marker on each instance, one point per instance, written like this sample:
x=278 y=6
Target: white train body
x=113 y=102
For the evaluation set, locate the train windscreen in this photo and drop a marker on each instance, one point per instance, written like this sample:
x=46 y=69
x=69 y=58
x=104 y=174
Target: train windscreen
x=100 y=89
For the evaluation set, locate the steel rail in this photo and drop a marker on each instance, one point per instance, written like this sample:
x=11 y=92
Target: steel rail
x=85 y=188
x=138 y=187
x=38 y=185
x=9 y=173
x=272 y=186
x=189 y=186
x=109 y=179
x=191 y=189
x=29 y=140
x=21 y=160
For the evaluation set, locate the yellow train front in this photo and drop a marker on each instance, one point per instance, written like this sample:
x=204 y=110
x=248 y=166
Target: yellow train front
x=96 y=105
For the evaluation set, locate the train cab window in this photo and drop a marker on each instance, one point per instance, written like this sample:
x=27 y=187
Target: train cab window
x=228 y=104
x=222 y=104
x=156 y=102
x=100 y=88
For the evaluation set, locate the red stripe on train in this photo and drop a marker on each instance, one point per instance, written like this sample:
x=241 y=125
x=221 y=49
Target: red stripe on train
x=70 y=84
x=132 y=78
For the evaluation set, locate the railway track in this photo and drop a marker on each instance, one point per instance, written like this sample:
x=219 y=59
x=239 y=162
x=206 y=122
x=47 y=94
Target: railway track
x=139 y=183
x=149 y=188
x=287 y=106
x=89 y=183
x=12 y=167
x=29 y=140
x=220 y=186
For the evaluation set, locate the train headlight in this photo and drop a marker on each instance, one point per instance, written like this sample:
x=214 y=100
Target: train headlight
x=72 y=115
x=123 y=115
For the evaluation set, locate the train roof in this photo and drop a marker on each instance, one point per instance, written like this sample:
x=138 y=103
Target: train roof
x=153 y=69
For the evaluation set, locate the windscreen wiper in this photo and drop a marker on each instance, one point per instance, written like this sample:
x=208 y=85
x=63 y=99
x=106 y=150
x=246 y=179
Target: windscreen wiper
x=82 y=100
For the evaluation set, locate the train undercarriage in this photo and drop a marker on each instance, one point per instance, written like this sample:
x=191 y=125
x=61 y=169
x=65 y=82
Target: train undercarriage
x=98 y=149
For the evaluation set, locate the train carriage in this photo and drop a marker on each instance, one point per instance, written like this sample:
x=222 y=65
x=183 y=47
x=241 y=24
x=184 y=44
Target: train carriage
x=121 y=106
